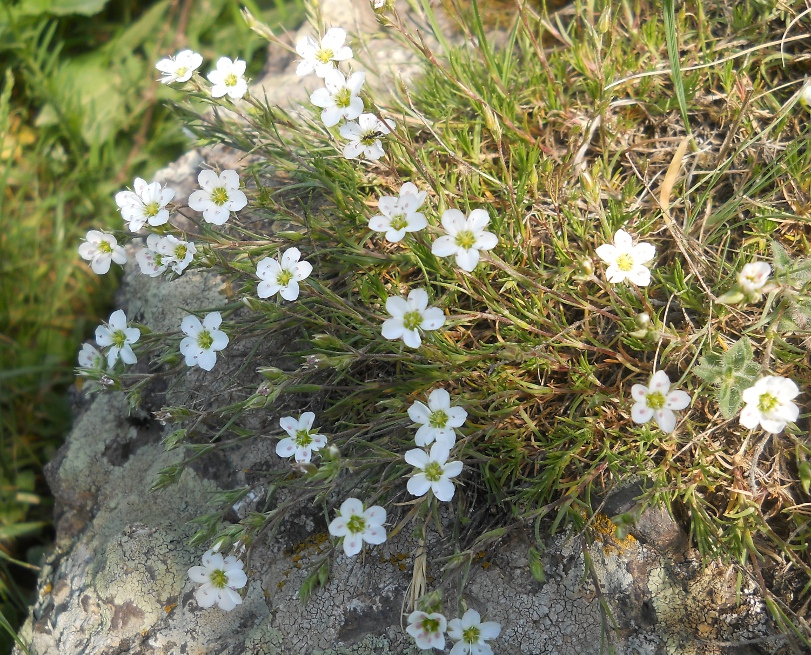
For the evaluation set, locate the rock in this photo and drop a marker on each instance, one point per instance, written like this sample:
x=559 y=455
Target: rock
x=117 y=580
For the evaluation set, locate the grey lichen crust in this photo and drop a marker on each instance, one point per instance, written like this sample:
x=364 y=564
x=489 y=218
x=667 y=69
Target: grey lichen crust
x=117 y=581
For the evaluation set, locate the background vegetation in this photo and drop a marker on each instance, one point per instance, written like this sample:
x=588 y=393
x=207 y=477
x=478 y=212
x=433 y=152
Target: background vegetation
x=81 y=116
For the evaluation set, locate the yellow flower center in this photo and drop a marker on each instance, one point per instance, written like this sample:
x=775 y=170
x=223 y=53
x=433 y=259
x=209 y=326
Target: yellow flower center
x=471 y=635
x=219 y=196
x=655 y=400
x=430 y=625
x=356 y=524
x=284 y=278
x=324 y=55
x=181 y=71
x=118 y=338
x=218 y=578
x=180 y=252
x=303 y=438
x=465 y=239
x=398 y=222
x=438 y=419
x=343 y=98
x=767 y=403
x=152 y=209
x=433 y=472
x=625 y=262
x=230 y=80
x=105 y=247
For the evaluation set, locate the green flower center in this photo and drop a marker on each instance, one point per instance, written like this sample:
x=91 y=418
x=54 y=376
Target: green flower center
x=625 y=262
x=158 y=259
x=218 y=578
x=152 y=209
x=284 y=278
x=655 y=400
x=230 y=80
x=465 y=239
x=303 y=438
x=767 y=403
x=181 y=71
x=368 y=138
x=430 y=625
x=105 y=247
x=118 y=338
x=219 y=196
x=343 y=98
x=204 y=339
x=181 y=252
x=433 y=472
x=412 y=320
x=356 y=524
x=324 y=55
x=438 y=419
x=471 y=635
x=398 y=222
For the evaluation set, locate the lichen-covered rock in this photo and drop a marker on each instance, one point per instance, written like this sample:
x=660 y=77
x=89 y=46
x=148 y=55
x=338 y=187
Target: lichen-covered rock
x=117 y=581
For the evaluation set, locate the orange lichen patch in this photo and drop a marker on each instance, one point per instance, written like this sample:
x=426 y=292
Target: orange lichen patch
x=311 y=545
x=46 y=589
x=604 y=530
x=168 y=608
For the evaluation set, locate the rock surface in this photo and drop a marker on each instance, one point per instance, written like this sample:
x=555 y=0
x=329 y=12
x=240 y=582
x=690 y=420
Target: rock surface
x=117 y=581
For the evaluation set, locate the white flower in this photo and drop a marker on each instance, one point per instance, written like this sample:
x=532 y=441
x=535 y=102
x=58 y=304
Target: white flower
x=409 y=316
x=339 y=99
x=202 y=340
x=471 y=634
x=219 y=577
x=89 y=357
x=625 y=260
x=428 y=630
x=120 y=337
x=753 y=277
x=301 y=442
x=282 y=278
x=100 y=249
x=228 y=79
x=437 y=420
x=364 y=136
x=435 y=472
x=357 y=525
x=176 y=253
x=146 y=203
x=400 y=215
x=150 y=258
x=320 y=57
x=768 y=402
x=805 y=95
x=219 y=196
x=465 y=238
x=656 y=400
x=179 y=68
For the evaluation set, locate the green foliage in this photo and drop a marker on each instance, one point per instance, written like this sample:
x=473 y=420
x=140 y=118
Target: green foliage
x=731 y=372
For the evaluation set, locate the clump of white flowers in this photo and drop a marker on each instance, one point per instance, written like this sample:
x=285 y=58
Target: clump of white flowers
x=433 y=472
x=471 y=634
x=283 y=276
x=658 y=401
x=322 y=57
x=465 y=238
x=179 y=68
x=399 y=215
x=145 y=204
x=101 y=249
x=769 y=403
x=356 y=525
x=202 y=340
x=228 y=79
x=411 y=316
x=437 y=420
x=219 y=196
x=302 y=441
x=118 y=337
x=364 y=136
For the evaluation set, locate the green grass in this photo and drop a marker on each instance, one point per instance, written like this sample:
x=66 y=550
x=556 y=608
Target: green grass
x=565 y=133
x=80 y=117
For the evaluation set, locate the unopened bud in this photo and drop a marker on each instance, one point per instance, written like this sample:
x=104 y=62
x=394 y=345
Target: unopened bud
x=805 y=95
x=604 y=24
x=642 y=319
x=731 y=298
x=587 y=266
x=252 y=303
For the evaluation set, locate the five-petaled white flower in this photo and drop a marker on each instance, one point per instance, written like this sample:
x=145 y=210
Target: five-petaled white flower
x=465 y=238
x=320 y=57
x=202 y=340
x=410 y=316
x=339 y=99
x=151 y=260
x=769 y=402
x=100 y=249
x=364 y=136
x=301 y=442
x=357 y=525
x=219 y=196
x=400 y=215
x=625 y=260
x=179 y=68
x=176 y=253
x=435 y=472
x=753 y=277
x=228 y=79
x=438 y=420
x=119 y=337
x=89 y=357
x=656 y=400
x=146 y=203
x=219 y=577
x=428 y=630
x=282 y=278
x=471 y=633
